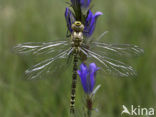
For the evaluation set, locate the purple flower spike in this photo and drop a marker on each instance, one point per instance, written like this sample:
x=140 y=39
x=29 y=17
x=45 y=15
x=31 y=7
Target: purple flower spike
x=91 y=23
x=87 y=76
x=70 y=19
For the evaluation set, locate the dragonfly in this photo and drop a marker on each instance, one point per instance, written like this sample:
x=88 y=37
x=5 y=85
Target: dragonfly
x=79 y=49
x=78 y=46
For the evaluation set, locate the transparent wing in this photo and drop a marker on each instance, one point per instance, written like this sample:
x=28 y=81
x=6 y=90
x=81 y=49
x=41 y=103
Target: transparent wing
x=33 y=48
x=111 y=66
x=48 y=66
x=118 y=50
x=50 y=57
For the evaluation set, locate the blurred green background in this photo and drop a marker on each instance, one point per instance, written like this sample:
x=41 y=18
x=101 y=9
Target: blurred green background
x=127 y=21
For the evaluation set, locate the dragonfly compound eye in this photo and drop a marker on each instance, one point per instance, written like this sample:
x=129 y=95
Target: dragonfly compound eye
x=77 y=26
x=77 y=23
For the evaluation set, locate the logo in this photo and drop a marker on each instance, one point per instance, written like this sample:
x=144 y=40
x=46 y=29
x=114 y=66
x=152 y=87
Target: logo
x=137 y=111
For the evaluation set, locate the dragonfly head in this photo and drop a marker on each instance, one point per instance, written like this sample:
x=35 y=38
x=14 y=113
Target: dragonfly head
x=77 y=26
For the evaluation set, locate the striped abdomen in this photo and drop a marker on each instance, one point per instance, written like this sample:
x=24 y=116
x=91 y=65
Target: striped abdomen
x=74 y=80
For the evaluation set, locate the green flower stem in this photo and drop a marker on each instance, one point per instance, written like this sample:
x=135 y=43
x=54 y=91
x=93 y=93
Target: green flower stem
x=89 y=106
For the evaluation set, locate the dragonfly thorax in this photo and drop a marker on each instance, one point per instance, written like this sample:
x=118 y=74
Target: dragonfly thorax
x=77 y=35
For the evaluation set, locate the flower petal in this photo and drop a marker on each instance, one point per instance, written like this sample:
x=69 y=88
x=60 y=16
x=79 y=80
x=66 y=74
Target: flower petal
x=83 y=73
x=92 y=71
x=87 y=76
x=97 y=14
x=92 y=81
x=70 y=19
x=91 y=23
x=88 y=24
x=85 y=3
x=93 y=68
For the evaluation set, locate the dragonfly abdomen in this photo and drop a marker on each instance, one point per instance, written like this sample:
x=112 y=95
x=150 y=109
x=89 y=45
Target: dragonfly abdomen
x=74 y=80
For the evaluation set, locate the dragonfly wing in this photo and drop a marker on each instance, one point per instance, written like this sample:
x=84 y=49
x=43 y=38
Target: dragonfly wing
x=33 y=48
x=111 y=66
x=47 y=66
x=118 y=50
